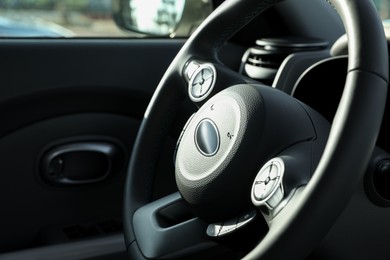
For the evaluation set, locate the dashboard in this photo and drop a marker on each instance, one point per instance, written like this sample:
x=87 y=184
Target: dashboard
x=321 y=87
x=307 y=70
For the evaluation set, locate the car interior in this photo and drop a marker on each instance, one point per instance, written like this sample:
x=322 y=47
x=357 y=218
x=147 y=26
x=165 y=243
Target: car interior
x=263 y=135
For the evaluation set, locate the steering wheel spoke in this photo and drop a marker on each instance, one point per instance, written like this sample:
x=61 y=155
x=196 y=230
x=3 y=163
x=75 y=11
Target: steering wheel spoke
x=168 y=219
x=278 y=180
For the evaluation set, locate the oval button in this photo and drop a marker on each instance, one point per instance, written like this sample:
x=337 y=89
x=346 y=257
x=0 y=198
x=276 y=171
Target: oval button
x=207 y=137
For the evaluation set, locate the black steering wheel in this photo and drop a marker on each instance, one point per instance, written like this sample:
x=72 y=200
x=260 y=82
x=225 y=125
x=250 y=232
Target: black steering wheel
x=252 y=153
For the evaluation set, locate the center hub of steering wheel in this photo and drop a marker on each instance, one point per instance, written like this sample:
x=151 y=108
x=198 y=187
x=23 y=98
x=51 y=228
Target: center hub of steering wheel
x=207 y=137
x=210 y=158
x=226 y=143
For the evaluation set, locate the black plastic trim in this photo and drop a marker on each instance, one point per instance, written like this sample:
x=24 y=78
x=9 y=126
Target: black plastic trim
x=152 y=237
x=86 y=249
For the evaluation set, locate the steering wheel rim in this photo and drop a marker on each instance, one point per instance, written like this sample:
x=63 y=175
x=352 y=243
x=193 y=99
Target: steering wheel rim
x=343 y=161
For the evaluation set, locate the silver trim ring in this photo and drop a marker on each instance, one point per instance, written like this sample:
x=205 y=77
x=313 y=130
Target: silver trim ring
x=202 y=82
x=275 y=193
x=206 y=138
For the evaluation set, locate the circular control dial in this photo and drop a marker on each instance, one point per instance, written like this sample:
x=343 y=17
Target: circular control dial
x=202 y=82
x=267 y=188
x=207 y=137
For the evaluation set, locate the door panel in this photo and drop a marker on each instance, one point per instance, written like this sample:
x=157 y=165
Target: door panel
x=38 y=212
x=56 y=92
x=42 y=78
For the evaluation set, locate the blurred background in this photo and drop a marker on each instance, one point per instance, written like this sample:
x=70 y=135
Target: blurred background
x=66 y=18
x=383 y=7
x=81 y=18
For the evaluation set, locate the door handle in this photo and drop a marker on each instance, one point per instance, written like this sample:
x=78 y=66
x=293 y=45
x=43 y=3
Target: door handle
x=80 y=163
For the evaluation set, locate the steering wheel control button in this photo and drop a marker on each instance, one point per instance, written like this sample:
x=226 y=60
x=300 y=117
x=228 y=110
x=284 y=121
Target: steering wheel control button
x=267 y=188
x=228 y=227
x=202 y=81
x=246 y=218
x=231 y=225
x=213 y=229
x=207 y=137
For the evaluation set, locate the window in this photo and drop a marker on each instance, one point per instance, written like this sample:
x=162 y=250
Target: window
x=54 y=18
x=81 y=18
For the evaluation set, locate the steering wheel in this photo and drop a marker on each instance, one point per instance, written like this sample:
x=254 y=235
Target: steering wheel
x=251 y=153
